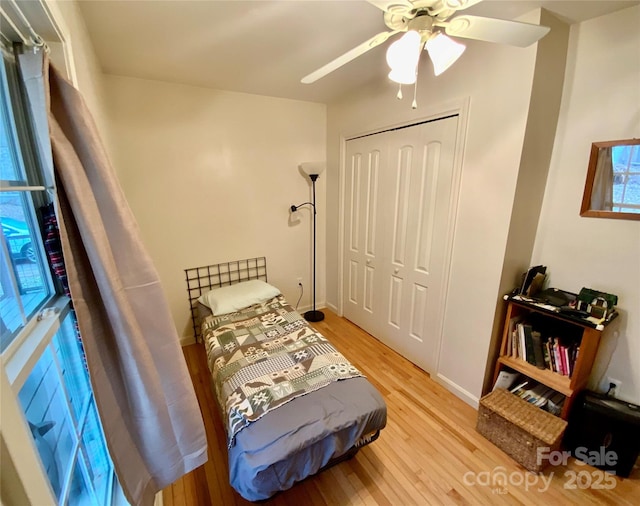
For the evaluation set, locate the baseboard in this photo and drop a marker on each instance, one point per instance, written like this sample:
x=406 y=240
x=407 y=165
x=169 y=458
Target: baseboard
x=333 y=308
x=187 y=340
x=458 y=391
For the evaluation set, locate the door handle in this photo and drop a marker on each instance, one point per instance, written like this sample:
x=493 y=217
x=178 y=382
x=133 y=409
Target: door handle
x=396 y=270
x=368 y=261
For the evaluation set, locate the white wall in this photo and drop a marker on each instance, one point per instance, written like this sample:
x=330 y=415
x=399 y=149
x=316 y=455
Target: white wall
x=601 y=101
x=498 y=80
x=544 y=109
x=210 y=176
x=85 y=67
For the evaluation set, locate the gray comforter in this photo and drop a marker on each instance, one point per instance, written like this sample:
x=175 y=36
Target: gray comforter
x=285 y=445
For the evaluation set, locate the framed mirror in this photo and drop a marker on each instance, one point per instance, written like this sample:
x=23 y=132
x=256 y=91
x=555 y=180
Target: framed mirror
x=612 y=189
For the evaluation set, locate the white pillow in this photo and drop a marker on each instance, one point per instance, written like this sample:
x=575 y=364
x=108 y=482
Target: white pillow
x=236 y=297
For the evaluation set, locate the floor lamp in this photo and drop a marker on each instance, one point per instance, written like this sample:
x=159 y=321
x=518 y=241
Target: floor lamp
x=312 y=170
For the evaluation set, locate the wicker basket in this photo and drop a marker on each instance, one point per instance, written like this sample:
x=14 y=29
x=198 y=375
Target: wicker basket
x=519 y=428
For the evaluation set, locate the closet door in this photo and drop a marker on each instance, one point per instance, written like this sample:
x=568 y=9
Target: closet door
x=362 y=235
x=418 y=203
x=395 y=248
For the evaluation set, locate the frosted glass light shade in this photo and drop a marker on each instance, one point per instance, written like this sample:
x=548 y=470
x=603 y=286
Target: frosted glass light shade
x=443 y=52
x=403 y=56
x=313 y=168
x=403 y=76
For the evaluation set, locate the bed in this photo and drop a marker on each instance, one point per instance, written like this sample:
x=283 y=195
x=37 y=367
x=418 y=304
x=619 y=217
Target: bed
x=293 y=405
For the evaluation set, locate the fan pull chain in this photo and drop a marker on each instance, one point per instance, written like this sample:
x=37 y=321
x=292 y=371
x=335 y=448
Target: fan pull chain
x=414 y=104
x=399 y=95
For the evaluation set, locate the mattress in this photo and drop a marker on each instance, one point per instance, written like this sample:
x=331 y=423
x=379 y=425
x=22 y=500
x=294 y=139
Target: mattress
x=303 y=435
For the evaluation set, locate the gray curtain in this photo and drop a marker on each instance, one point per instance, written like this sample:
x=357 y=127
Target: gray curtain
x=143 y=392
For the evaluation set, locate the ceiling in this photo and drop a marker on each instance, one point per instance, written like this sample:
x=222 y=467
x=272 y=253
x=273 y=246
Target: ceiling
x=265 y=47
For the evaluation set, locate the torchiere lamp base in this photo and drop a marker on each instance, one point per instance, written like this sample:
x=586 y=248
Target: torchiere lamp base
x=314 y=316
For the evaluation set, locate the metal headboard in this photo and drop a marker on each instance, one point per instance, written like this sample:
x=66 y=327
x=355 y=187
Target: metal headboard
x=202 y=279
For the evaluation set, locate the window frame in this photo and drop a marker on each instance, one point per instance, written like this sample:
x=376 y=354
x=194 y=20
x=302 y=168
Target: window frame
x=592 y=170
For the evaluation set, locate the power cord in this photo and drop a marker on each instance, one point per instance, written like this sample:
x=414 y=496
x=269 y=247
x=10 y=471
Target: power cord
x=612 y=389
x=301 y=293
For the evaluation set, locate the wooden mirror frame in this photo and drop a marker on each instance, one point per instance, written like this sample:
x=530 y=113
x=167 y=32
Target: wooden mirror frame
x=585 y=209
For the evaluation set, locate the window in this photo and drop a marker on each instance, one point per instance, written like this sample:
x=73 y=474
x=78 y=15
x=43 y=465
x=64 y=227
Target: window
x=626 y=178
x=58 y=405
x=25 y=284
x=43 y=370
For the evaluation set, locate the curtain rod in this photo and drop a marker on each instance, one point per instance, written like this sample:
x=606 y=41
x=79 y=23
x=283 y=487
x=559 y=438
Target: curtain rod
x=33 y=39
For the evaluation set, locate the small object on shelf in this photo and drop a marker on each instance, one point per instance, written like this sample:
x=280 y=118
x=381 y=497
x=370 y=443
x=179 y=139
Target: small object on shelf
x=556 y=297
x=519 y=428
x=588 y=296
x=555 y=403
x=532 y=280
x=572 y=311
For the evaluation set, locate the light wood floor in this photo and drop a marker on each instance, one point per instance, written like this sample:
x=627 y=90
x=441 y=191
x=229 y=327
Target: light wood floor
x=429 y=453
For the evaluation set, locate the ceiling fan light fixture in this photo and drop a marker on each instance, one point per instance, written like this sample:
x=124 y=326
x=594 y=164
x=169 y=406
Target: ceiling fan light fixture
x=403 y=56
x=443 y=52
x=403 y=76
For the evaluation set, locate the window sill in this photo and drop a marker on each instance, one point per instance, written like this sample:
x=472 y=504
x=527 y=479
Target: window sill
x=23 y=353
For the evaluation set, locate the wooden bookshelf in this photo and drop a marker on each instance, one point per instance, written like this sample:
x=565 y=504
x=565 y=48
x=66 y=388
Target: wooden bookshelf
x=587 y=334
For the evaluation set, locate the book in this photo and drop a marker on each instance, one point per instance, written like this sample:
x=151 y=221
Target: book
x=546 y=355
x=522 y=349
x=528 y=341
x=511 y=345
x=528 y=277
x=552 y=357
x=556 y=356
x=565 y=361
x=535 y=393
x=538 y=354
x=506 y=379
x=519 y=387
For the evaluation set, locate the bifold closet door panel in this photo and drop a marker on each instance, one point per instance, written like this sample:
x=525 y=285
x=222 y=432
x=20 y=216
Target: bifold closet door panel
x=362 y=235
x=398 y=205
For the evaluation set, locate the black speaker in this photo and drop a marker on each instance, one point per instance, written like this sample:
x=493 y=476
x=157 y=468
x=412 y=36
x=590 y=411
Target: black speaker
x=604 y=432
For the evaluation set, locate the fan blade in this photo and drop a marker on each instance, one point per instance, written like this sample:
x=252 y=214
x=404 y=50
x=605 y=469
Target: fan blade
x=501 y=31
x=386 y=5
x=374 y=41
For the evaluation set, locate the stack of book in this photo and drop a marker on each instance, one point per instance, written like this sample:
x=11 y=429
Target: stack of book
x=551 y=353
x=539 y=395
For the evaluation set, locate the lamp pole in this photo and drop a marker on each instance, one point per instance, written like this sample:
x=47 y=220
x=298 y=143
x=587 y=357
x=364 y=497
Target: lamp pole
x=312 y=170
x=314 y=315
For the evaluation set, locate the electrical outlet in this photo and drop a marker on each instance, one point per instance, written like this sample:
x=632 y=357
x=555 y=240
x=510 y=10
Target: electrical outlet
x=608 y=381
x=300 y=281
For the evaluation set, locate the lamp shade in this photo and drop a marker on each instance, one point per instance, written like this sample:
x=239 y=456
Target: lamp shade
x=313 y=168
x=403 y=76
x=403 y=56
x=443 y=52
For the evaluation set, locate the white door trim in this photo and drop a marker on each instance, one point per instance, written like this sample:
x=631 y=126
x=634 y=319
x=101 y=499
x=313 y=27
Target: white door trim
x=461 y=108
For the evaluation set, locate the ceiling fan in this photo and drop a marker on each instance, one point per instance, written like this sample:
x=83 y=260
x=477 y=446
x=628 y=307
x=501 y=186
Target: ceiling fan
x=426 y=23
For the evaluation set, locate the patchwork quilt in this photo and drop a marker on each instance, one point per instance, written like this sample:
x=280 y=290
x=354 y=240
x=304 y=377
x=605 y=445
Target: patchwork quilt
x=265 y=356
